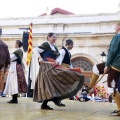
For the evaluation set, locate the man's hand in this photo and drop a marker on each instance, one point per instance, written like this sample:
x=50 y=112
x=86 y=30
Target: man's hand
x=106 y=69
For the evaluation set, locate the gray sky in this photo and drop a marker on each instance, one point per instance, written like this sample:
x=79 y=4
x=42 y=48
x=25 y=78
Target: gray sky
x=31 y=8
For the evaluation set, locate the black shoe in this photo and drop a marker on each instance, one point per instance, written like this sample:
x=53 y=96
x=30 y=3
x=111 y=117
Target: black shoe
x=12 y=102
x=87 y=100
x=62 y=105
x=46 y=107
x=3 y=95
x=57 y=103
x=115 y=113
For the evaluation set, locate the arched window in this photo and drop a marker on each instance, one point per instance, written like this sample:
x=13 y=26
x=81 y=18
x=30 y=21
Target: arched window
x=82 y=62
x=85 y=65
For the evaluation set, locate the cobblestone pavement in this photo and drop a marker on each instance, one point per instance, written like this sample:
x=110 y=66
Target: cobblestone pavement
x=26 y=109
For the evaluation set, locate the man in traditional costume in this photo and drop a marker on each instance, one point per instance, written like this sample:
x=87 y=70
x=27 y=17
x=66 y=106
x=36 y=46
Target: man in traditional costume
x=16 y=82
x=65 y=56
x=112 y=68
x=4 y=62
x=54 y=82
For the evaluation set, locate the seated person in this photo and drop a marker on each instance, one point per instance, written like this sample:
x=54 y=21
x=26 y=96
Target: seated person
x=82 y=94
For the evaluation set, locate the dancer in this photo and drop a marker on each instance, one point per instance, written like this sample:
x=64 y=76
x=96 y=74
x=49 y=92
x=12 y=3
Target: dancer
x=16 y=82
x=65 y=57
x=111 y=67
x=53 y=82
x=4 y=63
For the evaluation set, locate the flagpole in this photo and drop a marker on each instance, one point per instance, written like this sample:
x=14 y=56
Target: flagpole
x=29 y=81
x=29 y=58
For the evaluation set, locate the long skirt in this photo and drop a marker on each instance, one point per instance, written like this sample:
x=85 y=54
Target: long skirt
x=56 y=82
x=16 y=82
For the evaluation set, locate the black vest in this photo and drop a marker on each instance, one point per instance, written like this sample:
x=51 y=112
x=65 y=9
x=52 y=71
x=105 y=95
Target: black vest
x=67 y=56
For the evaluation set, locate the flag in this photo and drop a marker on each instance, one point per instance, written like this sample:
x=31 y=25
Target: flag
x=29 y=53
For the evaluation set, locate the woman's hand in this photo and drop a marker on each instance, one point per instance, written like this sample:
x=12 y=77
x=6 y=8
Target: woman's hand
x=40 y=59
x=57 y=63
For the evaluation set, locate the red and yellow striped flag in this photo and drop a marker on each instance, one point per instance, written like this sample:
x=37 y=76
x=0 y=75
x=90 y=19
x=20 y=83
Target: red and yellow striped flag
x=29 y=53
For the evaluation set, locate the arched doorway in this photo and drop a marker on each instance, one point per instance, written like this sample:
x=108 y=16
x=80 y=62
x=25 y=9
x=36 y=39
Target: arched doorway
x=85 y=65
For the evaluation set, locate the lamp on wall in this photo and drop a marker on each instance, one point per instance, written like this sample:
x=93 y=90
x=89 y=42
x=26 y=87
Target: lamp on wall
x=103 y=56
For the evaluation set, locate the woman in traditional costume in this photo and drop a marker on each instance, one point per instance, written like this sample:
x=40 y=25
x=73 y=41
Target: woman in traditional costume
x=16 y=82
x=54 y=82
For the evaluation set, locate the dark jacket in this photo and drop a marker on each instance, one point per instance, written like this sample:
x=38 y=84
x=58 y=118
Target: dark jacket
x=4 y=55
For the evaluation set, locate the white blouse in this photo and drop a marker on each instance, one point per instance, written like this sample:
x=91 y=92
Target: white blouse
x=61 y=57
x=13 y=57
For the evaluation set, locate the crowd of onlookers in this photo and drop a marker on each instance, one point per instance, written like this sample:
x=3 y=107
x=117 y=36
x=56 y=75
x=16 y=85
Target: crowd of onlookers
x=98 y=94
x=95 y=95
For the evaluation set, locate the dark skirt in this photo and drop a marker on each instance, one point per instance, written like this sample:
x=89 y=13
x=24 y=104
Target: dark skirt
x=56 y=82
x=22 y=85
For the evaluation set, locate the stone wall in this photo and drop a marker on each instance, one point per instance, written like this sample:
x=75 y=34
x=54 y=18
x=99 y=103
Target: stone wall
x=91 y=33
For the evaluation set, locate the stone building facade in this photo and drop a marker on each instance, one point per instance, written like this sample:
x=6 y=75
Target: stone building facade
x=91 y=34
